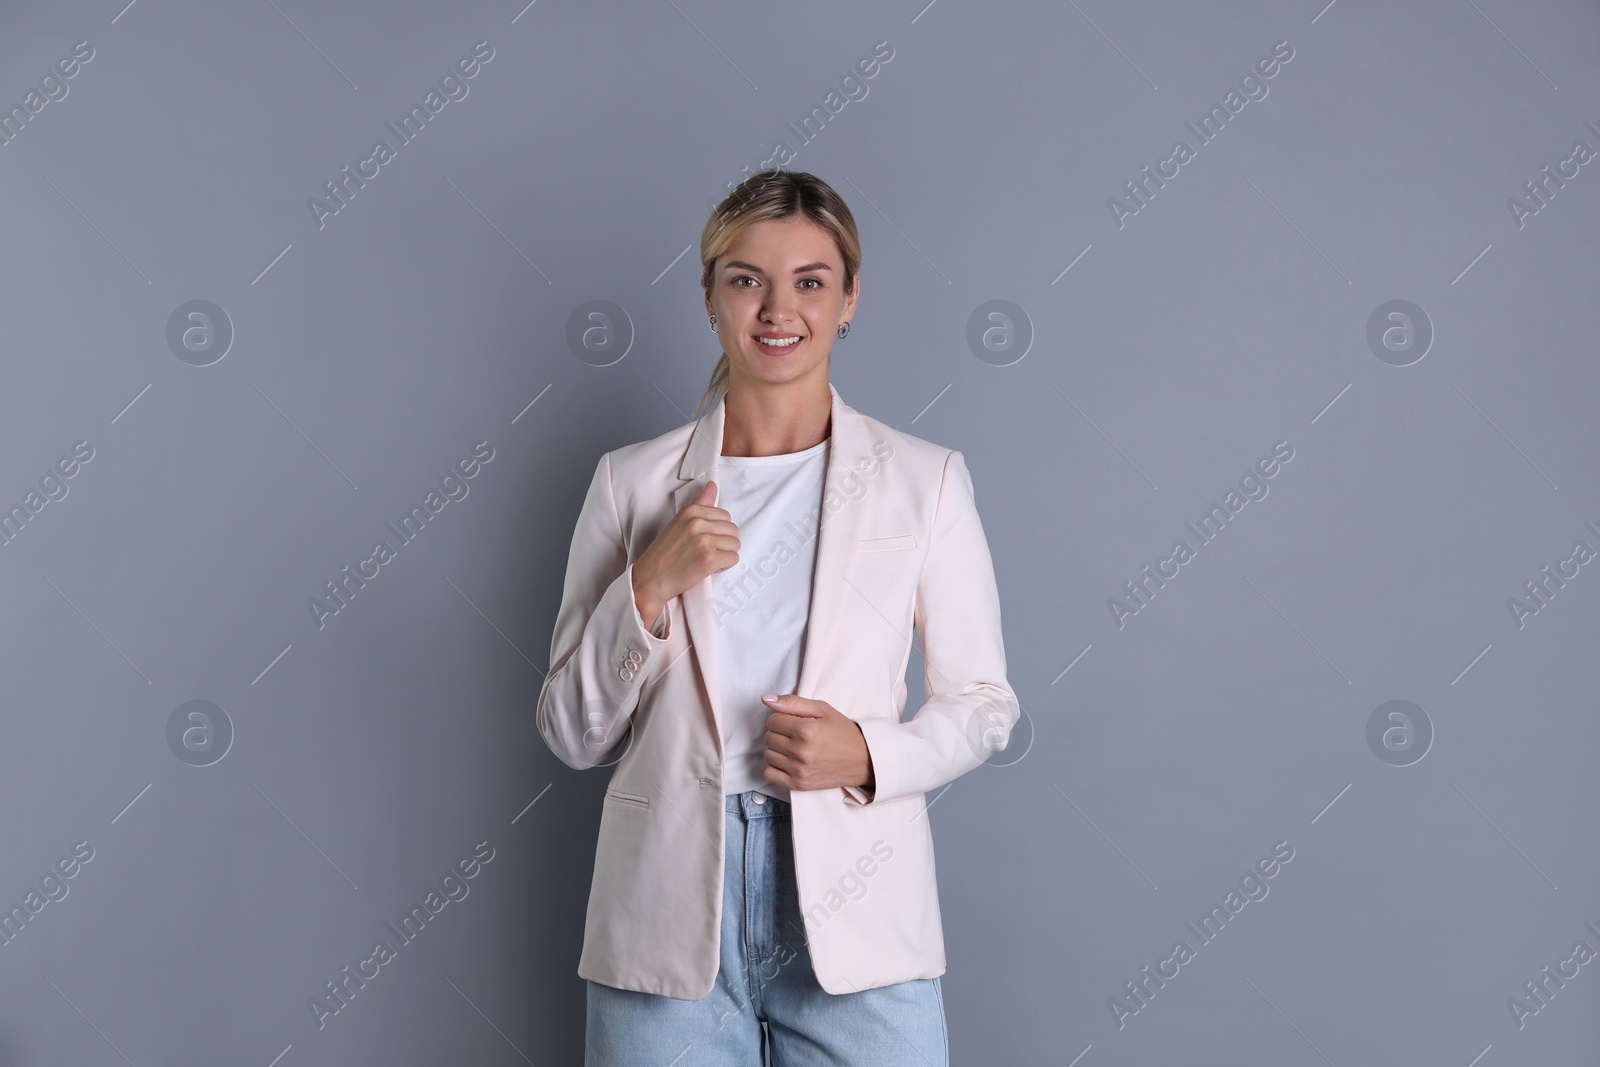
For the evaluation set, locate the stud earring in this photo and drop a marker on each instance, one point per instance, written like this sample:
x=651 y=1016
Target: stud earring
x=844 y=330
x=713 y=324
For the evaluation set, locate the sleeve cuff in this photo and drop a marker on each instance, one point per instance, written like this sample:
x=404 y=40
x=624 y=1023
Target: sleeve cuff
x=656 y=633
x=856 y=794
x=881 y=735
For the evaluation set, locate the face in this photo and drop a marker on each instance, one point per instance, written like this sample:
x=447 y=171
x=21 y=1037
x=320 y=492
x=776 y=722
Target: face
x=780 y=279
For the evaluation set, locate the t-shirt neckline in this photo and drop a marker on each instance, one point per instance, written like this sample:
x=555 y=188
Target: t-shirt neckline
x=782 y=457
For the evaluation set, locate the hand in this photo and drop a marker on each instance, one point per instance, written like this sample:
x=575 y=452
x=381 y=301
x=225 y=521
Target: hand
x=813 y=745
x=698 y=541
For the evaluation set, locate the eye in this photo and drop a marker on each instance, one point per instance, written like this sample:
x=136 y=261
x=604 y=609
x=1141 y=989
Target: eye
x=817 y=280
x=742 y=278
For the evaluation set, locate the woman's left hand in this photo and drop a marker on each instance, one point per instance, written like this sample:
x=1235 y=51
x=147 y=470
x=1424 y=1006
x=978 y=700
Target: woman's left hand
x=813 y=745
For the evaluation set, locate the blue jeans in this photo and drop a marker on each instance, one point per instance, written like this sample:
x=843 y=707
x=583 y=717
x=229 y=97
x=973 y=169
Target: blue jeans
x=765 y=977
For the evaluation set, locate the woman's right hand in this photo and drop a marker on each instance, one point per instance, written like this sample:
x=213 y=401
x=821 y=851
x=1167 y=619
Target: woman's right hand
x=698 y=541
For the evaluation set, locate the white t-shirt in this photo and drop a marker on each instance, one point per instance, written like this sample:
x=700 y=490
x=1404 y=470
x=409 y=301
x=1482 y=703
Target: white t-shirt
x=762 y=602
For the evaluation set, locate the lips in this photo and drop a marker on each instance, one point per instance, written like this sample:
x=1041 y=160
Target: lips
x=778 y=350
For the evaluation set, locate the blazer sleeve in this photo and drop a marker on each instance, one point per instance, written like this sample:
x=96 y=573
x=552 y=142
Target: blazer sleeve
x=600 y=651
x=970 y=708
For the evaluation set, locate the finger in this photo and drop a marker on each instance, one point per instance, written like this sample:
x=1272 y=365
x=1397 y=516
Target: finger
x=782 y=724
x=790 y=704
x=780 y=738
x=782 y=762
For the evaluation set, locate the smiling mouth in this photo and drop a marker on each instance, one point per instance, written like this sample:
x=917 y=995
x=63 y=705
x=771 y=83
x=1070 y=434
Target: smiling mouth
x=778 y=346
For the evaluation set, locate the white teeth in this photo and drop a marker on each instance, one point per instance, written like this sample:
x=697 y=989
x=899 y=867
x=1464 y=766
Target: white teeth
x=777 y=343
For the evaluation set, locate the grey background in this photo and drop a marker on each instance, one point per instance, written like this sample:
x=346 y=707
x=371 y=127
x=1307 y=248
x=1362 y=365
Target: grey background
x=371 y=354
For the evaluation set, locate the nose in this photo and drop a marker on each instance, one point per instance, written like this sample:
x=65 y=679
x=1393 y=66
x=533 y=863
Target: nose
x=778 y=310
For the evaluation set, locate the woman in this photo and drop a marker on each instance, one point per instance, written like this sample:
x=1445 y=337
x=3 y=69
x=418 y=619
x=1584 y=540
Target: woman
x=764 y=875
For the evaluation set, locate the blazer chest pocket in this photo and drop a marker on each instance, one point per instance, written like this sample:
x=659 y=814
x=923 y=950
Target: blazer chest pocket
x=887 y=544
x=631 y=800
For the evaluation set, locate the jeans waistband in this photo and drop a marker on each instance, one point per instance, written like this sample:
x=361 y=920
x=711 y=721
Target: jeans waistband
x=745 y=804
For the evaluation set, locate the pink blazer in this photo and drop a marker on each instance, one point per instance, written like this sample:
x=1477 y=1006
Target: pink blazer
x=900 y=545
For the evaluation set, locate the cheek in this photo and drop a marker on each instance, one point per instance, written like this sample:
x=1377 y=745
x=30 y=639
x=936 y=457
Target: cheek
x=821 y=318
x=742 y=304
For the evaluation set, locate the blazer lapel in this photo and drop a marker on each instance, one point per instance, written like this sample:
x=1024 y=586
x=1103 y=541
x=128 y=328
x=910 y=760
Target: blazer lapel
x=705 y=445
x=846 y=501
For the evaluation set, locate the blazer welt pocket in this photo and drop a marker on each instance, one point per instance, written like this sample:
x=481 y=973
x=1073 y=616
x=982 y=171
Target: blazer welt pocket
x=631 y=799
x=884 y=544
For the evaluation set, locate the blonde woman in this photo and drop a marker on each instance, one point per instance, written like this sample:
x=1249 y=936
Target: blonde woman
x=738 y=612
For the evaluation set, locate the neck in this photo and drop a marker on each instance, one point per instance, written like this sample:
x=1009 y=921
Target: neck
x=772 y=419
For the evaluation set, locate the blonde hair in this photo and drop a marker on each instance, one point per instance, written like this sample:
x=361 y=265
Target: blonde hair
x=768 y=196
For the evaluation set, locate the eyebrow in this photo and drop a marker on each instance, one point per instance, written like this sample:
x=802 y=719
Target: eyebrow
x=741 y=265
